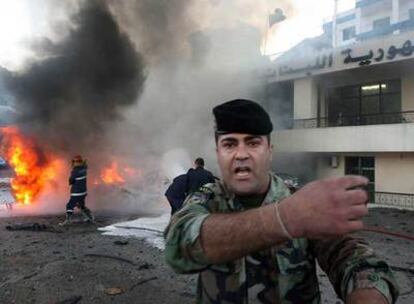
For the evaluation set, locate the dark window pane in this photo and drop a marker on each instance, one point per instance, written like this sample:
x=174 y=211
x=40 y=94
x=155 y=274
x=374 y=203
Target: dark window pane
x=391 y=103
x=370 y=89
x=391 y=86
x=363 y=104
x=381 y=23
x=351 y=165
x=370 y=174
x=370 y=105
x=368 y=162
x=362 y=166
x=354 y=171
x=348 y=33
x=371 y=192
x=349 y=107
x=350 y=91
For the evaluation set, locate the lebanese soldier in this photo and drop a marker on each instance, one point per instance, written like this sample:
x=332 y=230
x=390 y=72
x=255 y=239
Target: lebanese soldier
x=251 y=241
x=78 y=191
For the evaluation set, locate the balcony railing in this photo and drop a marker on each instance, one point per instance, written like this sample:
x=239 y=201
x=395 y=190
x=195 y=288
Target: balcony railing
x=399 y=200
x=359 y=120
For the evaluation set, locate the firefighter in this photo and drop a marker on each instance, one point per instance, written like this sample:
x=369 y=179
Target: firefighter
x=78 y=191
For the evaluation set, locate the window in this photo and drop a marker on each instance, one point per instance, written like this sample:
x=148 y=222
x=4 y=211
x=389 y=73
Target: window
x=381 y=23
x=365 y=104
x=348 y=33
x=411 y=13
x=365 y=166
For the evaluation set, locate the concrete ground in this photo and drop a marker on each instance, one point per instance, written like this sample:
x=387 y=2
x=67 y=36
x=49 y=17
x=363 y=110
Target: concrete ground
x=77 y=264
x=398 y=252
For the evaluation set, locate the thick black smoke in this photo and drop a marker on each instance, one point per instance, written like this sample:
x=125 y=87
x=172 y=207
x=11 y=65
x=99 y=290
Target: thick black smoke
x=71 y=97
x=161 y=27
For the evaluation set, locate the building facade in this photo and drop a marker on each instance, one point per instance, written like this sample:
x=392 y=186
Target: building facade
x=347 y=99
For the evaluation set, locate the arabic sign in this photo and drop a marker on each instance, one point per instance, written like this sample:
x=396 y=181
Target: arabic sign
x=407 y=49
x=321 y=62
x=305 y=63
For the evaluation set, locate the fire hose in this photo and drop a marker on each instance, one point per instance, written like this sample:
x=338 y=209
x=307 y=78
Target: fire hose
x=396 y=234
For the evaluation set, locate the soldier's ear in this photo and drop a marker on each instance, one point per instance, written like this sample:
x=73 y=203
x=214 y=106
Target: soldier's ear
x=271 y=152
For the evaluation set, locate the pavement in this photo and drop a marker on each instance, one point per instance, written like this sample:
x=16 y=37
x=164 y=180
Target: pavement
x=78 y=264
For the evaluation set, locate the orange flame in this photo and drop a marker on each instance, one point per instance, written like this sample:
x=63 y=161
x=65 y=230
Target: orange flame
x=31 y=172
x=117 y=173
x=111 y=175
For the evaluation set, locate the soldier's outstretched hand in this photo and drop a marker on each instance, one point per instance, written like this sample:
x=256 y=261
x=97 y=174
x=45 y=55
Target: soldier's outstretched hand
x=326 y=208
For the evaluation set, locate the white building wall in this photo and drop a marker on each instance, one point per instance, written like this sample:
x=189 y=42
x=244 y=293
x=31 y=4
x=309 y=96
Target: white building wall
x=325 y=169
x=394 y=172
x=372 y=138
x=405 y=6
x=395 y=17
x=370 y=13
x=339 y=32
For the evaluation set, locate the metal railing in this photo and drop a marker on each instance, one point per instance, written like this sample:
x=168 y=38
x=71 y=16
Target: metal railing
x=399 y=200
x=358 y=120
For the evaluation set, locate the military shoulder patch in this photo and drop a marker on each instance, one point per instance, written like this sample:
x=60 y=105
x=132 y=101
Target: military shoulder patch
x=205 y=190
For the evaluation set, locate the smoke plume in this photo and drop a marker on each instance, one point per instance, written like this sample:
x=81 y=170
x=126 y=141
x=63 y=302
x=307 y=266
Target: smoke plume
x=83 y=82
x=160 y=65
x=200 y=53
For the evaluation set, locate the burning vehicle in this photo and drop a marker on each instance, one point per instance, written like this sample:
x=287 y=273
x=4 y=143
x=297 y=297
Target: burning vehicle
x=37 y=179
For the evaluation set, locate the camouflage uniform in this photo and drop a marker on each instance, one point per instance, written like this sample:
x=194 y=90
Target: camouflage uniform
x=284 y=274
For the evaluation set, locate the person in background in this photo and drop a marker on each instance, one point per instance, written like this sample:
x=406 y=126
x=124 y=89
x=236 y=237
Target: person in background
x=198 y=176
x=187 y=183
x=176 y=192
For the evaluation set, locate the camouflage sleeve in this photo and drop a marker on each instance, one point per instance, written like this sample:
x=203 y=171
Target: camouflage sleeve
x=351 y=264
x=183 y=250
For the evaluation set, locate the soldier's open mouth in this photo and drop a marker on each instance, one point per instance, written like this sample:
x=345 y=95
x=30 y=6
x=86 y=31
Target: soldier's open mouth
x=242 y=171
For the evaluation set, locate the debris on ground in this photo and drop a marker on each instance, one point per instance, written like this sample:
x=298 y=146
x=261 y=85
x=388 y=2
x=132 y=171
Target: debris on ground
x=72 y=300
x=121 y=242
x=142 y=282
x=98 y=255
x=31 y=227
x=145 y=266
x=113 y=291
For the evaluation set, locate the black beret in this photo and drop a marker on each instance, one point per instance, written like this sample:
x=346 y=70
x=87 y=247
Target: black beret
x=242 y=116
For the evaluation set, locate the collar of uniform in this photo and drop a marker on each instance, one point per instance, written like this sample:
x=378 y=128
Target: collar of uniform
x=228 y=196
x=276 y=192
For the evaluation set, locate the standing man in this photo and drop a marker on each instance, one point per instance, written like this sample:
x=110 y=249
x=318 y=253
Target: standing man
x=198 y=176
x=78 y=191
x=176 y=192
x=253 y=242
x=184 y=184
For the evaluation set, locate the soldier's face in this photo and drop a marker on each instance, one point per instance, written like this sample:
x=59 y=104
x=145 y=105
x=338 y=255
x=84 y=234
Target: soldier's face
x=244 y=162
